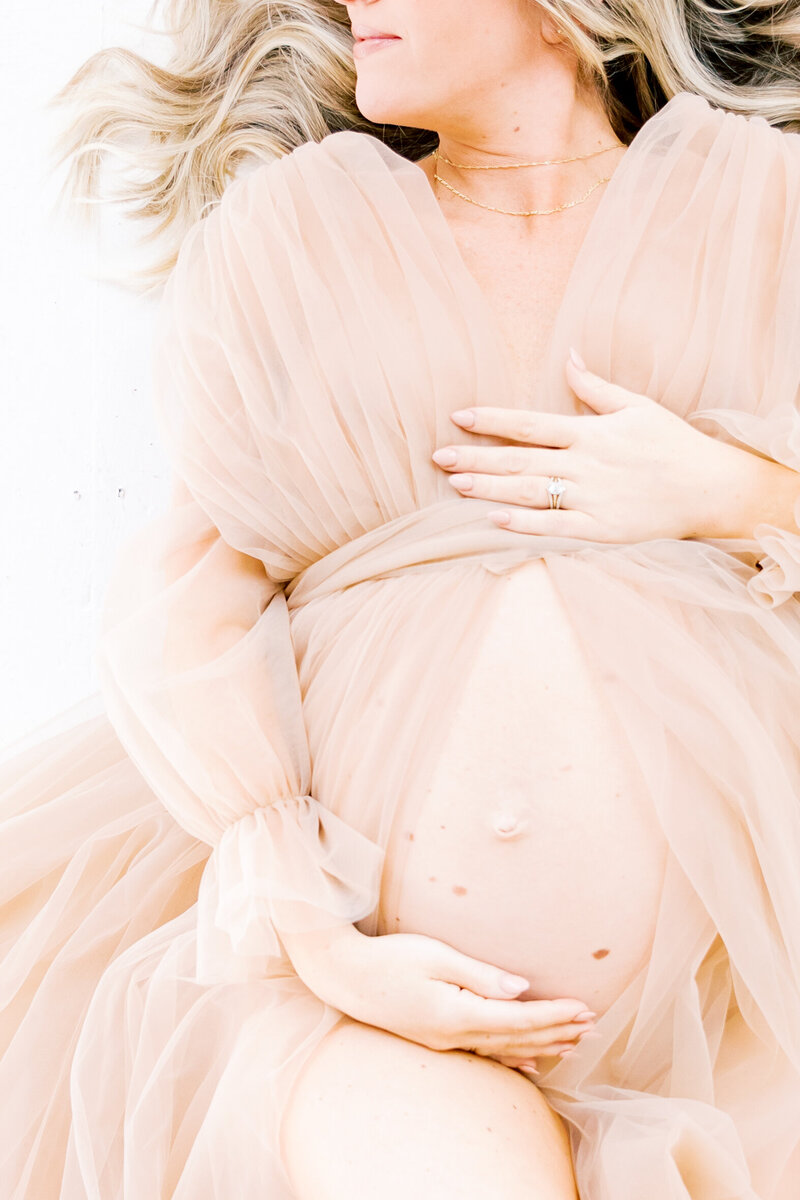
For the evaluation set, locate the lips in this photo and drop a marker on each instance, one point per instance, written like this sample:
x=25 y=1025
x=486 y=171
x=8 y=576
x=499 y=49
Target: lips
x=363 y=33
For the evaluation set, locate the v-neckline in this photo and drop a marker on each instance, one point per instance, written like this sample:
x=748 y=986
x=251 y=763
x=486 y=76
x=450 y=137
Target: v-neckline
x=447 y=241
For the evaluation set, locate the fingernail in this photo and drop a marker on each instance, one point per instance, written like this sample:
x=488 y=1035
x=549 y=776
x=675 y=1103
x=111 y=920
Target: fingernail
x=500 y=518
x=445 y=458
x=513 y=983
x=584 y=1016
x=529 y=1070
x=576 y=358
x=463 y=417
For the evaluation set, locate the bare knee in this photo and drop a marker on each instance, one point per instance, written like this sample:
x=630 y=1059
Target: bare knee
x=374 y=1114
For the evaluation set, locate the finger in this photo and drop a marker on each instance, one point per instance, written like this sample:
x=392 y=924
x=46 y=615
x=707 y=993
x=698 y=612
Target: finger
x=464 y=976
x=600 y=394
x=503 y=460
x=535 y=1044
x=528 y=490
x=529 y=1066
x=534 y=1038
x=553 y=522
x=492 y=1047
x=508 y=1017
x=519 y=425
x=567 y=1030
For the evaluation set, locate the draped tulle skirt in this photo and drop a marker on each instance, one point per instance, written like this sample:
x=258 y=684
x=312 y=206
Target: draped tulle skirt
x=121 y=1076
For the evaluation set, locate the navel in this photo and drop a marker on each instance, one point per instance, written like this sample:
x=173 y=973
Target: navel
x=507 y=825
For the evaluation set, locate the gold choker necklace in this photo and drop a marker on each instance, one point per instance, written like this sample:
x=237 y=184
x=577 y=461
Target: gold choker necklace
x=534 y=212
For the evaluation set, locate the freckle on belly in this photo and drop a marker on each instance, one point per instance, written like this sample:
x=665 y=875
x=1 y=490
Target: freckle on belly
x=600 y=953
x=459 y=890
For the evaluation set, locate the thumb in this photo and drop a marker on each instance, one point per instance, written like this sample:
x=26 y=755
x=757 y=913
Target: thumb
x=480 y=977
x=600 y=394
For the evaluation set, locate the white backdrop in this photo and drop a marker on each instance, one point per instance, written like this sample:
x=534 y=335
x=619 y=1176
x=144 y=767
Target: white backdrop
x=80 y=464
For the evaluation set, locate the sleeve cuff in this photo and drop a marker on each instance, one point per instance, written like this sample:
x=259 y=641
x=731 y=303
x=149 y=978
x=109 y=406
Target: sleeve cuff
x=292 y=865
x=779 y=577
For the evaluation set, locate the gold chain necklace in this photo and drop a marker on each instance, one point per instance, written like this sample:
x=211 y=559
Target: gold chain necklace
x=534 y=212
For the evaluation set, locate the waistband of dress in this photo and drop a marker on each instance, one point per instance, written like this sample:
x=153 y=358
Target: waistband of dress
x=431 y=537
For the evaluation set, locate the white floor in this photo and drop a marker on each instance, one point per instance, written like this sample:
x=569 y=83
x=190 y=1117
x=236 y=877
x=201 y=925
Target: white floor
x=80 y=464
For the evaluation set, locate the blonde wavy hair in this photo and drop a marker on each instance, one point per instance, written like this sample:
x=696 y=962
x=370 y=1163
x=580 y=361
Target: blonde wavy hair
x=253 y=79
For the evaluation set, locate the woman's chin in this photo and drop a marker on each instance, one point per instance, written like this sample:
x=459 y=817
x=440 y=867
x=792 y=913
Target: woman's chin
x=380 y=108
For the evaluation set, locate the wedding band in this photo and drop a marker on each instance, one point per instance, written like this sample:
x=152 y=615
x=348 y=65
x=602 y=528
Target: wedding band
x=556 y=488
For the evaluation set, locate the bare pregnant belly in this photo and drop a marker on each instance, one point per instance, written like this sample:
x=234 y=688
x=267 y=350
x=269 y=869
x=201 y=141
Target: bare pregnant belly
x=535 y=846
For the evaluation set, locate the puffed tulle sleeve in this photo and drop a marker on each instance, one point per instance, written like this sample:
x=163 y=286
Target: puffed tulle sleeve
x=195 y=656
x=761 y=298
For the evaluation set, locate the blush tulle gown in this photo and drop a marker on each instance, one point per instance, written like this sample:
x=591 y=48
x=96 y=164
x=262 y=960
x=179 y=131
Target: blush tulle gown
x=282 y=648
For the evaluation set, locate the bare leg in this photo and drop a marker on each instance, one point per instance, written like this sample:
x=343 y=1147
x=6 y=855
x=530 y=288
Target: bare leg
x=372 y=1114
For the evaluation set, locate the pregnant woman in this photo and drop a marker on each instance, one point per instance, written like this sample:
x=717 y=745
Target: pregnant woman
x=440 y=833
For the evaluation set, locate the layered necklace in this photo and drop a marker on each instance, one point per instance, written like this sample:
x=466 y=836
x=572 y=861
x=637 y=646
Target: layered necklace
x=534 y=212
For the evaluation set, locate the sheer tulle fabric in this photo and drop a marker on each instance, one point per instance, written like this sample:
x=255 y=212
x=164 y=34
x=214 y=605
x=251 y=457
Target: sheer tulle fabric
x=198 y=671
x=282 y=648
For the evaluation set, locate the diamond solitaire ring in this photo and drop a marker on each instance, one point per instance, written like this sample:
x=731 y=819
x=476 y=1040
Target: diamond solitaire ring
x=556 y=487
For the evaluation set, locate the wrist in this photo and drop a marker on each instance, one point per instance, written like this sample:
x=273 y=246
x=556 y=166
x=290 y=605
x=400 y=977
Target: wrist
x=319 y=955
x=742 y=492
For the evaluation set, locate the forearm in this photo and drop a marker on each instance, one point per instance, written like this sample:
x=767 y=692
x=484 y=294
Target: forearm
x=318 y=956
x=750 y=490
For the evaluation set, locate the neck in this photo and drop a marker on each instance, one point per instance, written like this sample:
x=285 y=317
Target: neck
x=544 y=120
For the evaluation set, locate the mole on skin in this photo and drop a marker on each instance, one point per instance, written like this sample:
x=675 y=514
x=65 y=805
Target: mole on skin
x=600 y=953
